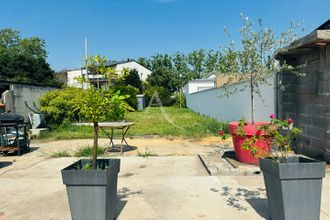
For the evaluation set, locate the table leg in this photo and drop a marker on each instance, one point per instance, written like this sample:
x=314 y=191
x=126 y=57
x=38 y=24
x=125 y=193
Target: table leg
x=111 y=139
x=123 y=137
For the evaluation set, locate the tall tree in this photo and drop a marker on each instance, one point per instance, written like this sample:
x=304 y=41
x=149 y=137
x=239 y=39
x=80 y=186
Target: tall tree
x=163 y=78
x=197 y=60
x=212 y=61
x=144 y=62
x=161 y=61
x=181 y=68
x=24 y=59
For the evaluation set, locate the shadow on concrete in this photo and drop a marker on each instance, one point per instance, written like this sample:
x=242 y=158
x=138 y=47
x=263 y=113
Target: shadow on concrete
x=122 y=197
x=256 y=198
x=5 y=164
x=32 y=149
x=117 y=148
x=260 y=205
x=230 y=154
x=120 y=206
x=23 y=151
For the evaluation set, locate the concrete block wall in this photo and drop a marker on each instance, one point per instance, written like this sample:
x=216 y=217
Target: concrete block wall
x=19 y=93
x=307 y=101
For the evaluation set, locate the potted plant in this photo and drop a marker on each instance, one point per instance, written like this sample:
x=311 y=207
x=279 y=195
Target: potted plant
x=92 y=184
x=243 y=133
x=293 y=183
x=254 y=63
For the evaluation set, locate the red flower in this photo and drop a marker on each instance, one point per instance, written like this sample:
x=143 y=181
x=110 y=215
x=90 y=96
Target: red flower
x=272 y=115
x=221 y=132
x=290 y=120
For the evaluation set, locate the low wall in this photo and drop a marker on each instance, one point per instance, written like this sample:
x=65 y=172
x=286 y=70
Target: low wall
x=19 y=93
x=215 y=104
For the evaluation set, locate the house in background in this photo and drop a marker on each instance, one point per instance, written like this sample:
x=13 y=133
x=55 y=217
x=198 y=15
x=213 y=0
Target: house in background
x=212 y=80
x=198 y=85
x=69 y=77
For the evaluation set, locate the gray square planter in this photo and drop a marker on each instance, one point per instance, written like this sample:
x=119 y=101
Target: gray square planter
x=293 y=188
x=92 y=194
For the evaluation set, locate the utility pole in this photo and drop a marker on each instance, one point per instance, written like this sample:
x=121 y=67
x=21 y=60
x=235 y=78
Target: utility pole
x=86 y=48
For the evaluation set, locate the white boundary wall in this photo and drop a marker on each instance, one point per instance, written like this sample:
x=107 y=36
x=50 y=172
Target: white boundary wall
x=214 y=104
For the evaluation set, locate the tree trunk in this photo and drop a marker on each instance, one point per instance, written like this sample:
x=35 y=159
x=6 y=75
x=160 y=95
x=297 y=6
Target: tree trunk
x=95 y=145
x=252 y=99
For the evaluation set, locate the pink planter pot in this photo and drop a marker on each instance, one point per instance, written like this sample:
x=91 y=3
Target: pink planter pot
x=243 y=155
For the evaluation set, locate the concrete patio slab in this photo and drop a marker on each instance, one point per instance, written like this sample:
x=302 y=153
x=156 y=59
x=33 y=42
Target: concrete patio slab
x=172 y=187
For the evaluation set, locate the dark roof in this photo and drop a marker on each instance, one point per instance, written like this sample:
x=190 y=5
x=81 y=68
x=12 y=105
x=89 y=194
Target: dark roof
x=324 y=26
x=320 y=36
x=114 y=63
x=110 y=63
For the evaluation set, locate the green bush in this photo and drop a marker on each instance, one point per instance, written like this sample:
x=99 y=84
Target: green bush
x=131 y=93
x=59 y=105
x=63 y=106
x=99 y=105
x=130 y=78
x=156 y=94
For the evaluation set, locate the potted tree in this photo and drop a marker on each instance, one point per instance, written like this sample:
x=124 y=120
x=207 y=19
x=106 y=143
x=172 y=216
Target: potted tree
x=254 y=63
x=92 y=184
x=293 y=183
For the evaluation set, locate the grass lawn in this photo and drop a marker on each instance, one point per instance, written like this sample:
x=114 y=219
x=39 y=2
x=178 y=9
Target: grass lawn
x=167 y=121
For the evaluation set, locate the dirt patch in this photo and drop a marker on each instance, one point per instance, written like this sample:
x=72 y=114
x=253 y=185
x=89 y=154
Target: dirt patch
x=158 y=146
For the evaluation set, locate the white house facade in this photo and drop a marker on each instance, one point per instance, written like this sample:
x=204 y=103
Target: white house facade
x=198 y=85
x=132 y=64
x=70 y=77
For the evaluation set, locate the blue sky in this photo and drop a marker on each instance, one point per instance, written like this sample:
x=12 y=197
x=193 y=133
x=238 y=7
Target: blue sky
x=120 y=29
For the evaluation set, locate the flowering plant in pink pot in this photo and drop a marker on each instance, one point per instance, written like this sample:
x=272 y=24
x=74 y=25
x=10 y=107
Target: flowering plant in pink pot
x=279 y=135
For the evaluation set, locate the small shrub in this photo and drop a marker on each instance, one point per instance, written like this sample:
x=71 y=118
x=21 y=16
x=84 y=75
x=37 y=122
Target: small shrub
x=147 y=153
x=88 y=151
x=153 y=93
x=87 y=166
x=61 y=153
x=214 y=126
x=128 y=91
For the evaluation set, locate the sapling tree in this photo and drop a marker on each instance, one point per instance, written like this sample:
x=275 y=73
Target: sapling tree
x=100 y=104
x=254 y=58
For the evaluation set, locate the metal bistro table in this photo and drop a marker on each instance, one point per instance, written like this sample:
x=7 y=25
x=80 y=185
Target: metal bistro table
x=123 y=126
